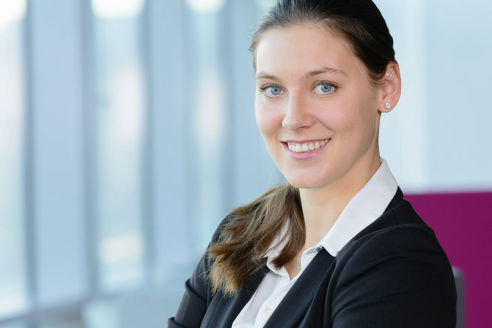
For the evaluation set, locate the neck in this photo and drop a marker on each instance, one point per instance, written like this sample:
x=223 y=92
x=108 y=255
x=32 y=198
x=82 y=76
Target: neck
x=322 y=206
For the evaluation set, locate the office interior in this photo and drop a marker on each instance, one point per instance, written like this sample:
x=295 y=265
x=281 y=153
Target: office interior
x=127 y=132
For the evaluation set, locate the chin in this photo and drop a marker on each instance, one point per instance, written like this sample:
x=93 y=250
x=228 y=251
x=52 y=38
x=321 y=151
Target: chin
x=305 y=183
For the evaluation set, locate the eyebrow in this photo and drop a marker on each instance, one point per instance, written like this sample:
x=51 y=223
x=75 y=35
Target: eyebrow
x=264 y=75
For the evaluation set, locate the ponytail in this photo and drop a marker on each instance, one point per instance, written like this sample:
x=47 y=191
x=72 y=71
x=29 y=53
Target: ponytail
x=248 y=235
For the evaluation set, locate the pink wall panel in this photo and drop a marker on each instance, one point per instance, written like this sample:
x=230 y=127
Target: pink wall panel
x=463 y=225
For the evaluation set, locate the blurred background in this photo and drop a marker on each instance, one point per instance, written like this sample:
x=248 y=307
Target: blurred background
x=127 y=133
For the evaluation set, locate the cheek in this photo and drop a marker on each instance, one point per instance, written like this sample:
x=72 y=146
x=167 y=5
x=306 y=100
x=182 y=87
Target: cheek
x=338 y=116
x=268 y=118
x=359 y=129
x=354 y=113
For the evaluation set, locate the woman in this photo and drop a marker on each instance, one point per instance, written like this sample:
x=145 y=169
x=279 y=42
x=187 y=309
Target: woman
x=337 y=246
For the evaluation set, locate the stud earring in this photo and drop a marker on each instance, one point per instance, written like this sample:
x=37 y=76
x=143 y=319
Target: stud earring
x=387 y=105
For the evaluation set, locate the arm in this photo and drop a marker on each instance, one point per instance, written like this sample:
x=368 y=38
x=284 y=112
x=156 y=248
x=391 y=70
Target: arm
x=397 y=278
x=197 y=293
x=194 y=302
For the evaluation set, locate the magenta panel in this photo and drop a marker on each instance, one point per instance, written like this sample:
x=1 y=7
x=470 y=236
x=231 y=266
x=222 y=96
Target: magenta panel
x=463 y=225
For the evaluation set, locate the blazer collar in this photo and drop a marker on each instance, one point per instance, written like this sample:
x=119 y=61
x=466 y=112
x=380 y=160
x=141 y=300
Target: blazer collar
x=303 y=292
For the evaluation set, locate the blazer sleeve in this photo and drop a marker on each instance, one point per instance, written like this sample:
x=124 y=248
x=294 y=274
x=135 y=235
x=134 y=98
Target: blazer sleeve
x=399 y=278
x=197 y=293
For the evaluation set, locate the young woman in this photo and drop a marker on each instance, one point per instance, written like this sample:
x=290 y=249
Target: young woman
x=337 y=246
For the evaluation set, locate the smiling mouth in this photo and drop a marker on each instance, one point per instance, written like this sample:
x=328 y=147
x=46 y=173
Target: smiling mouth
x=305 y=147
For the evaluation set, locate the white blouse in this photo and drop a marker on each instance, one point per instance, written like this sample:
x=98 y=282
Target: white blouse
x=364 y=208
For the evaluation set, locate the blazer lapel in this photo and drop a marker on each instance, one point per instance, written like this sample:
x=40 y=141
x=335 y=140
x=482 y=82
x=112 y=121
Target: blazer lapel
x=230 y=306
x=294 y=305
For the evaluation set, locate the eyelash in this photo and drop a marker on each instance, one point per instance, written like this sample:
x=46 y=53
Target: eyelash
x=266 y=86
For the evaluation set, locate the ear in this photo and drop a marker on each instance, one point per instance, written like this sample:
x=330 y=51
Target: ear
x=390 y=87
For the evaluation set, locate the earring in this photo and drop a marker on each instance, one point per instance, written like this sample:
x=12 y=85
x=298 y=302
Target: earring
x=387 y=105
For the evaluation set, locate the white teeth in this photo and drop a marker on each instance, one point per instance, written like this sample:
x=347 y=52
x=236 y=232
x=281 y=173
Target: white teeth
x=305 y=147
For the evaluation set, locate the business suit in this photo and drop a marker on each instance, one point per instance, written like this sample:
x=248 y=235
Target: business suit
x=392 y=274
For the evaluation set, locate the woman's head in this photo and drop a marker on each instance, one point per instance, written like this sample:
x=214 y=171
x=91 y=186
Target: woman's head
x=325 y=71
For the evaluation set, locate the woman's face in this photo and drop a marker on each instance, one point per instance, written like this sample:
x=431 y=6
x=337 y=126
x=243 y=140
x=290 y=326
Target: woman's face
x=316 y=107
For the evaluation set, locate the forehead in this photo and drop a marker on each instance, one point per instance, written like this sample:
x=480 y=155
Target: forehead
x=300 y=48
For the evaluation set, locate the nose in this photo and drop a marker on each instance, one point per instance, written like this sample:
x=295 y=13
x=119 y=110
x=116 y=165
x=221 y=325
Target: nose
x=297 y=115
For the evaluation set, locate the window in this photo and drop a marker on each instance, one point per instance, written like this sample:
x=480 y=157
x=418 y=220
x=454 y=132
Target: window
x=208 y=117
x=13 y=293
x=119 y=113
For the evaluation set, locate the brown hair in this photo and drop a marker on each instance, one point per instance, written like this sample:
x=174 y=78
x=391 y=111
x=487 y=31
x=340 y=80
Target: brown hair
x=250 y=230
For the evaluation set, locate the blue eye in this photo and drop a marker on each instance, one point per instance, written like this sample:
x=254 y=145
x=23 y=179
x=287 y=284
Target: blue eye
x=271 y=91
x=324 y=88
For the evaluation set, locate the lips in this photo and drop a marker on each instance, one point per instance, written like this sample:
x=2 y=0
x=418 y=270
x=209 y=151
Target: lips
x=306 y=146
x=301 y=150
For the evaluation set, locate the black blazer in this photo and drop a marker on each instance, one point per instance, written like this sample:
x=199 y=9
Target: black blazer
x=393 y=273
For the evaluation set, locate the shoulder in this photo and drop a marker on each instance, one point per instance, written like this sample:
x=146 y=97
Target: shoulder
x=203 y=268
x=396 y=262
x=198 y=293
x=409 y=243
x=199 y=282
x=399 y=227
x=399 y=234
